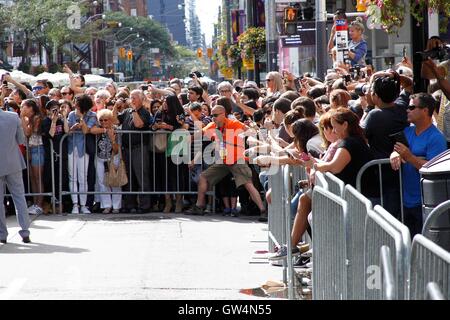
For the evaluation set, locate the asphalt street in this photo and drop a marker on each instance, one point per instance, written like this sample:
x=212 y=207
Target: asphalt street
x=151 y=256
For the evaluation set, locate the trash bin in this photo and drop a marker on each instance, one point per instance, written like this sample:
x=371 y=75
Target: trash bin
x=435 y=188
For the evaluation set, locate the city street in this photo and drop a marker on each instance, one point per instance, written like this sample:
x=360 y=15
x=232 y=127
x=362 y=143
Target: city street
x=151 y=256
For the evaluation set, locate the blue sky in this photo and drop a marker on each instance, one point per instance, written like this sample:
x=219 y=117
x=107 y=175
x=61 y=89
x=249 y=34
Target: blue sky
x=207 y=13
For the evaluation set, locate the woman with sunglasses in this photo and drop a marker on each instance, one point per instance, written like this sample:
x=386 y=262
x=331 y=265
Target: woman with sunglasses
x=274 y=83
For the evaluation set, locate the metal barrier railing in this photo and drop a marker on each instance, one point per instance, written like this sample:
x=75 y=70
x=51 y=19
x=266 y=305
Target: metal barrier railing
x=382 y=229
x=43 y=178
x=429 y=263
x=357 y=208
x=335 y=185
x=330 y=245
x=287 y=195
x=320 y=181
x=387 y=274
x=277 y=226
x=434 y=292
x=379 y=163
x=138 y=162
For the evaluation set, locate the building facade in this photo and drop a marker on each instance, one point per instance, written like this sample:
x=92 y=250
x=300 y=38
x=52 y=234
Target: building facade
x=171 y=14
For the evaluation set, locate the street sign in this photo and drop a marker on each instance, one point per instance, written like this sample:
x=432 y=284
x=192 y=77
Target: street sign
x=341 y=40
x=154 y=50
x=305 y=35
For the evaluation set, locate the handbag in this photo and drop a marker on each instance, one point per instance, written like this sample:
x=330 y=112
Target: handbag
x=159 y=142
x=116 y=177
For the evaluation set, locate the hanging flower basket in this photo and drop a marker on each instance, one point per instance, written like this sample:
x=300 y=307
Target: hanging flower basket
x=234 y=56
x=252 y=42
x=390 y=14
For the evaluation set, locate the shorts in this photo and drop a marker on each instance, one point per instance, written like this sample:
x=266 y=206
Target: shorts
x=37 y=155
x=215 y=173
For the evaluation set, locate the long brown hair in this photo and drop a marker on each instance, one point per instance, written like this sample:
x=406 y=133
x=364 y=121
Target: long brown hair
x=341 y=115
x=37 y=115
x=325 y=123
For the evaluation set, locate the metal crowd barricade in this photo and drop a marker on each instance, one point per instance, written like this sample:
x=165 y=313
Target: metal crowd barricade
x=320 y=180
x=330 y=245
x=335 y=185
x=277 y=231
x=146 y=152
x=379 y=163
x=45 y=176
x=387 y=274
x=357 y=208
x=382 y=229
x=287 y=196
x=434 y=292
x=429 y=263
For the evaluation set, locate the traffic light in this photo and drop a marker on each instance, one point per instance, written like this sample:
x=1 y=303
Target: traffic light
x=210 y=52
x=361 y=5
x=122 y=53
x=290 y=20
x=199 y=52
x=130 y=55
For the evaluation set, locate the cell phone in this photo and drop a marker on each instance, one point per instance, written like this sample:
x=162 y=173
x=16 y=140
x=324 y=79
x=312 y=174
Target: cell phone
x=399 y=137
x=297 y=84
x=404 y=52
x=144 y=88
x=304 y=156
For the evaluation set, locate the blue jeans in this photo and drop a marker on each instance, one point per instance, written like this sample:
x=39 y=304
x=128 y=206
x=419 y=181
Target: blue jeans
x=37 y=155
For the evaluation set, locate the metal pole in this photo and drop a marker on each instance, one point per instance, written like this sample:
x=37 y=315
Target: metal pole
x=321 y=38
x=250 y=23
x=271 y=36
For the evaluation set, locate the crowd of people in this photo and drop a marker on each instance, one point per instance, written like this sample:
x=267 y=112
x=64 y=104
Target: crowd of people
x=336 y=124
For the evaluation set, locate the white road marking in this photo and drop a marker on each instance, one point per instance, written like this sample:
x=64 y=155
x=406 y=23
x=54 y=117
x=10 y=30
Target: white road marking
x=13 y=288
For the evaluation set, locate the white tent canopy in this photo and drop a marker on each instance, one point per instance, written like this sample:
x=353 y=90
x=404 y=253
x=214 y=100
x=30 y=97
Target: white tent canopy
x=20 y=76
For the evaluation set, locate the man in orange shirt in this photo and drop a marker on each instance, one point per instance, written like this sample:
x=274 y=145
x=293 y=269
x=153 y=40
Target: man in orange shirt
x=225 y=133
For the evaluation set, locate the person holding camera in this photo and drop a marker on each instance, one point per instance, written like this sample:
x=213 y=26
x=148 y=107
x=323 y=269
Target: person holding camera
x=54 y=126
x=135 y=151
x=386 y=118
x=81 y=120
x=170 y=118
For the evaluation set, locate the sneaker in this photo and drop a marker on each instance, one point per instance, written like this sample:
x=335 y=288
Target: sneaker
x=301 y=262
x=106 y=211
x=32 y=209
x=234 y=212
x=282 y=253
x=307 y=254
x=226 y=211
x=85 y=210
x=39 y=210
x=208 y=208
x=196 y=211
x=263 y=216
x=75 y=209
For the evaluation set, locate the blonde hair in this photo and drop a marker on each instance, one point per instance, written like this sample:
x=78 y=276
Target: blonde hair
x=104 y=113
x=277 y=79
x=358 y=24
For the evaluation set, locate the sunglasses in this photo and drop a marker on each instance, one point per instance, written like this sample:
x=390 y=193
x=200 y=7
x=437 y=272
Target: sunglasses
x=215 y=115
x=412 y=107
x=268 y=80
x=65 y=93
x=103 y=120
x=37 y=88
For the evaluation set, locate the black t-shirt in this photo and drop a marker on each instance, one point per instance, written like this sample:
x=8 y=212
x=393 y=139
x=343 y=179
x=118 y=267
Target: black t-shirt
x=360 y=155
x=380 y=123
x=126 y=120
x=56 y=139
